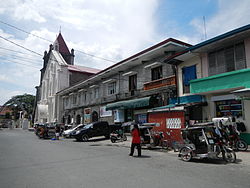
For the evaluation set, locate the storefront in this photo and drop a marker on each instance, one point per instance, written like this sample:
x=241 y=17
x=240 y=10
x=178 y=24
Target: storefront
x=131 y=110
x=226 y=94
x=171 y=120
x=193 y=106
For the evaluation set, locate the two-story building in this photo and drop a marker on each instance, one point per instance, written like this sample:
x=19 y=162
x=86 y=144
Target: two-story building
x=214 y=78
x=124 y=91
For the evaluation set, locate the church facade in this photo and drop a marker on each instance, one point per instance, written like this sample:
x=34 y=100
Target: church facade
x=58 y=73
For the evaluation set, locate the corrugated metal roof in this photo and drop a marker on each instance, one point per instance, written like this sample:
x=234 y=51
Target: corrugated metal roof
x=78 y=68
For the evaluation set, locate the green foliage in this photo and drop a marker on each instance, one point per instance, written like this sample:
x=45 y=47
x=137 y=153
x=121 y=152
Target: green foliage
x=7 y=115
x=21 y=103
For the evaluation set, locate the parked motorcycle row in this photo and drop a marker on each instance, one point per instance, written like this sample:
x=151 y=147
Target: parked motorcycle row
x=200 y=141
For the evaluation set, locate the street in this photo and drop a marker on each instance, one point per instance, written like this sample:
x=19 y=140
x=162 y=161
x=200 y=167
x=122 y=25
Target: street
x=29 y=162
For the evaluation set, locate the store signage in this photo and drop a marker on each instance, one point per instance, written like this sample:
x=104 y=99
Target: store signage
x=87 y=115
x=104 y=112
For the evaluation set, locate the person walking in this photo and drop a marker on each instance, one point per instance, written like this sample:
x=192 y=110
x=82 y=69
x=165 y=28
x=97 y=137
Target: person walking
x=57 y=132
x=136 y=141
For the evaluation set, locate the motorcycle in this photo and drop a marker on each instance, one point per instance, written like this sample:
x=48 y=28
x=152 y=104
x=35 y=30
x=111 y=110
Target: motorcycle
x=236 y=142
x=118 y=136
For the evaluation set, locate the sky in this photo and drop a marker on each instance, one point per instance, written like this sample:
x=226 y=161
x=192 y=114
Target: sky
x=110 y=29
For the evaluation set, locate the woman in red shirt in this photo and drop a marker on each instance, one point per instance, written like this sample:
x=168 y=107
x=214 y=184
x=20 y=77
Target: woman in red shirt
x=136 y=141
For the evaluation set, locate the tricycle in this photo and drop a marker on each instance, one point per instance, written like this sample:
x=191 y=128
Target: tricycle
x=205 y=141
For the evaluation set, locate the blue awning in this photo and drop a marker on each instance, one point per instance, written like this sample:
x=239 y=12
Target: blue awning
x=187 y=99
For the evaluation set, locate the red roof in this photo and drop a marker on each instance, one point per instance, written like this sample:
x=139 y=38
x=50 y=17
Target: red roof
x=78 y=68
x=4 y=110
x=63 y=48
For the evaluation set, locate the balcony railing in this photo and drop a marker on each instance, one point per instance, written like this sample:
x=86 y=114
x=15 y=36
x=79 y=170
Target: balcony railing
x=168 y=81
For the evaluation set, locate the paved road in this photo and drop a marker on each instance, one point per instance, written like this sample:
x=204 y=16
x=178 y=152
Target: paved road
x=28 y=162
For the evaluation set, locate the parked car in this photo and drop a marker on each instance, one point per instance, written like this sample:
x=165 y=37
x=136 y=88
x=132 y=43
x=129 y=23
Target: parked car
x=94 y=129
x=68 y=133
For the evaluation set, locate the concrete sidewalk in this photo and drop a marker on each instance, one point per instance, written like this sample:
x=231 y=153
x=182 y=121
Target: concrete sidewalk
x=242 y=157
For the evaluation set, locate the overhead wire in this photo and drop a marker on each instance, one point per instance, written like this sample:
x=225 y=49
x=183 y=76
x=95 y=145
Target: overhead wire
x=20 y=45
x=7 y=49
x=17 y=56
x=11 y=61
x=24 y=31
x=23 y=60
x=91 y=55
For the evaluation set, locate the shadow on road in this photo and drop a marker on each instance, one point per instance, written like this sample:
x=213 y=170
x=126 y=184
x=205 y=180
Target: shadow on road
x=214 y=161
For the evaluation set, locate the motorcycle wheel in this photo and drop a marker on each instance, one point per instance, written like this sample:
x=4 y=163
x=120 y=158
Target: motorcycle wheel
x=229 y=156
x=113 y=140
x=241 y=145
x=124 y=138
x=185 y=154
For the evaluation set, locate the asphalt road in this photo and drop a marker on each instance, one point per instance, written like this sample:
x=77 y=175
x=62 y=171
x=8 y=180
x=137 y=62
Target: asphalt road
x=28 y=162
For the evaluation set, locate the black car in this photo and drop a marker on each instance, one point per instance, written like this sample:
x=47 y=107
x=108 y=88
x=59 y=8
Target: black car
x=100 y=128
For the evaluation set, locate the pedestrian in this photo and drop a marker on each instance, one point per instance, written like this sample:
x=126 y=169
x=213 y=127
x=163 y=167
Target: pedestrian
x=136 y=141
x=57 y=132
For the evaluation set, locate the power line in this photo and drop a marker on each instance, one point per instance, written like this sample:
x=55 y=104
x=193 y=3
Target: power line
x=20 y=46
x=18 y=56
x=16 y=51
x=25 y=31
x=21 y=59
x=94 y=56
x=9 y=61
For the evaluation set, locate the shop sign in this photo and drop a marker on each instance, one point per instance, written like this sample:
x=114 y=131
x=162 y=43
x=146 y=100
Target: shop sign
x=104 y=112
x=87 y=115
x=118 y=116
x=142 y=118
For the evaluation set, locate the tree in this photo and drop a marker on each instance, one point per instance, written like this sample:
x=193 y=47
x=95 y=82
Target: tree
x=23 y=103
x=7 y=115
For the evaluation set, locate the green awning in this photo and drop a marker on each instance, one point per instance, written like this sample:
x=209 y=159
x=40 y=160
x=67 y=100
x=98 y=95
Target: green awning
x=229 y=80
x=129 y=104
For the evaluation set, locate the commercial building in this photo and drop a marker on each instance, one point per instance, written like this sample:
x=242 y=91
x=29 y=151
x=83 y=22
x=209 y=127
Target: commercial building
x=124 y=91
x=213 y=78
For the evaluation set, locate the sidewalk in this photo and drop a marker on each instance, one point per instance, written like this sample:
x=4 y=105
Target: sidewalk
x=242 y=157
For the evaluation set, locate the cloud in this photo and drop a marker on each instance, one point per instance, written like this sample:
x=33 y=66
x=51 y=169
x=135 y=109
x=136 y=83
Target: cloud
x=6 y=94
x=112 y=29
x=231 y=14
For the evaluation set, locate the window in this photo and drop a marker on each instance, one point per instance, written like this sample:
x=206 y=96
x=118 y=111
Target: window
x=85 y=97
x=74 y=98
x=156 y=73
x=79 y=98
x=188 y=74
x=228 y=59
x=66 y=102
x=96 y=93
x=132 y=83
x=112 y=88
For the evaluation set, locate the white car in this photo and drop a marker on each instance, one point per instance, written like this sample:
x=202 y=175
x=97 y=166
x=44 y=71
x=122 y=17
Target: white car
x=68 y=133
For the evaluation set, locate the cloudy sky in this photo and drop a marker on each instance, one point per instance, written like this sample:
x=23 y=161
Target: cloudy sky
x=111 y=29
